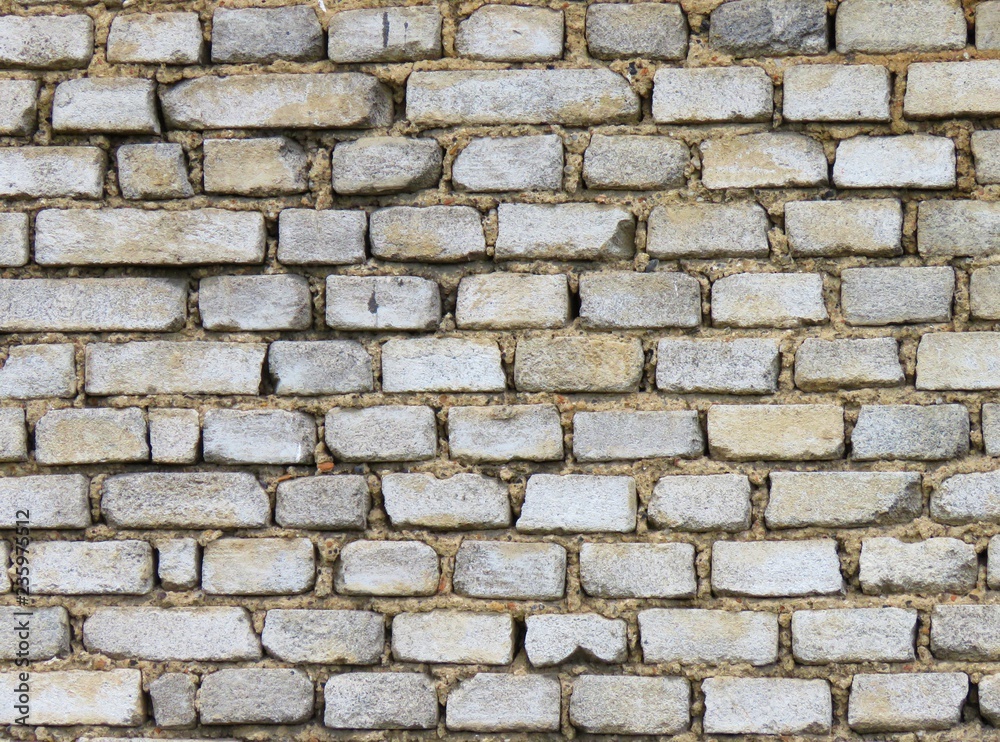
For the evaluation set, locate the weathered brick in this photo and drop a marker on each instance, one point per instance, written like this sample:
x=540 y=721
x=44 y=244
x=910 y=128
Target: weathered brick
x=178 y=565
x=376 y=165
x=463 y=501
x=627 y=300
x=268 y=302
x=38 y=371
x=873 y=635
x=967 y=498
x=575 y=97
x=887 y=27
x=958 y=228
x=923 y=433
x=19 y=106
x=990 y=420
x=988 y=686
x=749 y=28
x=51 y=172
x=984 y=293
x=769 y=300
x=829 y=365
x=883 y=296
x=508 y=301
x=14 y=237
x=258 y=437
x=736 y=366
x=578 y=503
x=430 y=234
x=14 y=435
x=155 y=38
x=442 y=365
x=510 y=571
x=965 y=360
x=115 y=104
x=906 y=161
x=153 y=171
x=55 y=501
x=164 y=367
x=280 y=166
x=385 y=700
x=387 y=34
x=636 y=570
x=341 y=100
x=907 y=702
x=387 y=568
x=504 y=433
x=319 y=367
x=258 y=566
x=834 y=228
x=707 y=230
x=233 y=696
x=91 y=436
x=712 y=94
x=531 y=163
x=647 y=30
x=493 y=702
x=792 y=432
x=575 y=231
x=842 y=499
x=621 y=434
x=330 y=503
x=635 y=162
x=834 y=92
x=139 y=237
x=709 y=502
x=307 y=236
x=324 y=636
x=72 y=697
x=578 y=364
x=46 y=41
x=986 y=151
x=988 y=32
x=247 y=35
x=623 y=704
x=936 y=565
x=770 y=160
x=697 y=636
x=763 y=569
x=385 y=433
x=512 y=33
x=454 y=637
x=382 y=303
x=966 y=632
x=767 y=706
x=173 y=695
x=98 y=568
x=552 y=639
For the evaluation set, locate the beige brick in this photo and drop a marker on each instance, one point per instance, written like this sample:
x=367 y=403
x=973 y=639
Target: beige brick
x=75 y=697
x=504 y=433
x=771 y=160
x=856 y=227
x=906 y=161
x=564 y=232
x=707 y=230
x=512 y=33
x=578 y=364
x=627 y=300
x=386 y=34
x=155 y=38
x=18 y=106
x=769 y=300
x=431 y=234
x=258 y=566
x=794 y=432
x=886 y=27
x=280 y=166
x=91 y=436
x=712 y=94
x=508 y=301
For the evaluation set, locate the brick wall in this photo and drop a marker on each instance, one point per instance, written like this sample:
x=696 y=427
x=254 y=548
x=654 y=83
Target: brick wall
x=556 y=368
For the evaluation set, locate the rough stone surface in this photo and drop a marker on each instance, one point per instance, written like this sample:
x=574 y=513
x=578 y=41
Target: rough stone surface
x=906 y=702
x=842 y=499
x=388 y=34
x=258 y=437
x=647 y=30
x=442 y=365
x=323 y=503
x=876 y=635
x=739 y=366
x=578 y=364
x=117 y=105
x=334 y=237
x=433 y=234
x=232 y=696
x=825 y=365
x=776 y=568
x=504 y=433
x=619 y=301
x=635 y=162
x=907 y=161
x=833 y=228
x=387 y=568
x=324 y=636
x=958 y=228
x=768 y=300
x=153 y=171
x=553 y=639
x=622 y=704
x=883 y=296
x=52 y=172
x=832 y=92
x=697 y=636
x=54 y=501
x=156 y=38
x=49 y=634
x=936 y=565
x=730 y=94
x=793 y=432
x=967 y=361
x=767 y=706
x=509 y=301
x=266 y=34
x=101 y=568
x=46 y=41
x=512 y=33
x=707 y=502
x=280 y=166
x=261 y=566
x=736 y=230
x=463 y=501
x=887 y=27
x=381 y=433
x=454 y=637
x=70 y=697
x=271 y=302
x=376 y=165
x=747 y=28
x=385 y=700
x=578 y=503
x=771 y=160
x=533 y=163
x=19 y=108
x=492 y=702
x=319 y=367
x=38 y=371
x=382 y=303
x=630 y=570
x=91 y=436
x=968 y=498
x=173 y=695
x=515 y=571
x=923 y=433
x=966 y=632
x=607 y=436
x=564 y=231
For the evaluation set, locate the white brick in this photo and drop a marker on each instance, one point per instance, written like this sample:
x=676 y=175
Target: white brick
x=768 y=300
x=19 y=108
x=99 y=568
x=332 y=503
x=46 y=41
x=986 y=151
x=463 y=501
x=578 y=503
x=319 y=367
x=51 y=172
x=988 y=32
x=508 y=301
x=936 y=565
x=324 y=636
x=54 y=501
x=91 y=436
x=854 y=635
x=385 y=700
x=454 y=637
x=387 y=34
x=627 y=300
x=613 y=435
x=887 y=27
x=430 y=234
x=73 y=697
x=834 y=228
x=382 y=303
x=636 y=570
x=828 y=365
x=39 y=371
x=494 y=702
x=906 y=161
x=552 y=639
x=512 y=33
x=635 y=162
x=770 y=160
x=504 y=433
x=762 y=569
x=14 y=236
x=233 y=696
x=387 y=568
x=390 y=433
x=502 y=570
x=842 y=499
x=922 y=433
x=307 y=236
x=735 y=366
x=113 y=104
x=991 y=429
x=258 y=437
x=155 y=38
x=707 y=230
x=835 y=92
x=767 y=706
x=572 y=231
x=442 y=365
x=951 y=360
x=907 y=702
x=780 y=432
x=14 y=436
x=258 y=566
x=178 y=566
x=595 y=363
x=646 y=30
x=532 y=163
x=966 y=632
x=376 y=165
x=967 y=498
x=268 y=302
x=623 y=704
x=710 y=94
x=696 y=636
x=701 y=502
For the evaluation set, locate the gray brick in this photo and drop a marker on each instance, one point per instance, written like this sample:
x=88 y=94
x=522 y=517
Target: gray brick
x=875 y=635
x=19 y=108
x=578 y=503
x=389 y=433
x=173 y=695
x=712 y=94
x=258 y=566
x=39 y=371
x=626 y=300
x=258 y=437
x=696 y=636
x=906 y=161
x=269 y=302
x=384 y=700
x=382 y=303
x=828 y=365
x=153 y=171
x=280 y=166
x=620 y=434
x=635 y=162
x=178 y=565
x=497 y=33
x=833 y=92
x=991 y=429
x=936 y=565
x=263 y=35
x=52 y=172
x=842 y=499
x=707 y=230
x=986 y=145
x=55 y=501
x=13 y=435
x=324 y=636
x=494 y=702
x=751 y=28
x=442 y=365
x=397 y=568
x=100 y=568
x=74 y=697
x=883 y=296
x=507 y=301
x=968 y=498
x=113 y=104
x=647 y=30
x=501 y=570
x=531 y=163
x=387 y=34
x=453 y=637
x=430 y=234
x=91 y=436
x=576 y=231
x=923 y=433
x=578 y=364
x=552 y=639
x=768 y=300
x=623 y=704
x=907 y=702
x=886 y=27
x=966 y=632
x=14 y=238
x=711 y=502
x=319 y=367
x=965 y=360
x=636 y=570
x=958 y=228
x=764 y=569
x=984 y=293
x=736 y=366
x=834 y=228
x=325 y=503
x=376 y=165
x=155 y=38
x=232 y=696
x=767 y=706
x=174 y=435
x=308 y=236
x=46 y=41
x=463 y=501
x=989 y=690
x=500 y=433
x=778 y=432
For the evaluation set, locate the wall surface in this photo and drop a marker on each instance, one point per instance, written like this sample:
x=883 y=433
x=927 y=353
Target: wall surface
x=455 y=370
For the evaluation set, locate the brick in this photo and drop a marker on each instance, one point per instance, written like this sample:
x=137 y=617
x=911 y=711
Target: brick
x=385 y=700
x=750 y=28
x=112 y=104
x=907 y=161
x=736 y=366
x=508 y=301
x=876 y=635
x=842 y=499
x=779 y=432
x=388 y=433
x=331 y=503
x=883 y=296
x=324 y=636
x=14 y=237
x=139 y=237
x=574 y=97
x=46 y=636
x=958 y=228
x=620 y=434
x=178 y=565
x=184 y=500
x=828 y=365
x=233 y=696
x=626 y=300
x=46 y=42
x=307 y=236
x=153 y=171
x=635 y=162
x=769 y=300
x=454 y=637
x=907 y=702
x=173 y=696
x=578 y=231
x=52 y=172
x=382 y=303
x=512 y=33
x=99 y=568
x=984 y=293
x=258 y=566
x=504 y=433
x=770 y=160
x=991 y=429
x=552 y=639
x=967 y=498
x=767 y=706
x=280 y=166
x=636 y=570
x=167 y=634
x=430 y=234
x=707 y=230
x=988 y=30
x=696 y=636
x=578 y=364
x=388 y=34
x=38 y=371
x=442 y=365
x=462 y=501
x=647 y=30
x=155 y=38
x=377 y=165
x=622 y=704
x=834 y=228
x=501 y=570
x=264 y=35
x=13 y=435
x=91 y=436
x=387 y=568
x=936 y=565
x=493 y=702
x=258 y=437
x=922 y=433
x=712 y=94
x=531 y=163
x=72 y=697
x=710 y=502
x=958 y=361
x=55 y=500
x=986 y=151
x=834 y=92
x=966 y=632
x=269 y=302
x=349 y=100
x=578 y=503
x=19 y=108
x=764 y=569
x=163 y=367
x=319 y=367
x=886 y=27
